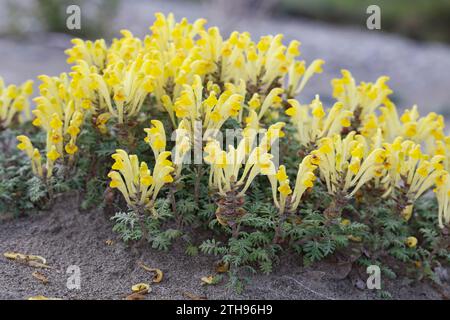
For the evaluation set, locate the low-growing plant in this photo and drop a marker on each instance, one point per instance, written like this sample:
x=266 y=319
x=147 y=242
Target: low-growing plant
x=361 y=174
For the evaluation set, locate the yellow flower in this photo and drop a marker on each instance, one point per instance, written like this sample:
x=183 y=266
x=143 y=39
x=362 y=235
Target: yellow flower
x=281 y=174
x=407 y=212
x=254 y=102
x=55 y=122
x=25 y=145
x=55 y=137
x=14 y=103
x=156 y=137
x=119 y=96
x=73 y=131
x=71 y=148
x=32 y=153
x=308 y=180
x=285 y=189
x=135 y=181
x=53 y=155
x=298 y=76
x=411 y=242
x=101 y=121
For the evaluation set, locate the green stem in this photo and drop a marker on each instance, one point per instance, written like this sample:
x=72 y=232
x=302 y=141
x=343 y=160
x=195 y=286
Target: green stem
x=198 y=176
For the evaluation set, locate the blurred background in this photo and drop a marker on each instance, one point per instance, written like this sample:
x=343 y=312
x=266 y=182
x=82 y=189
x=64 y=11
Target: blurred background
x=412 y=47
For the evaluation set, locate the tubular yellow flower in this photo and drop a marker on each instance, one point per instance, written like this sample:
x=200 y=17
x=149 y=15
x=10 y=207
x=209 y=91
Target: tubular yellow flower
x=139 y=188
x=32 y=153
x=413 y=173
x=411 y=242
x=272 y=99
x=443 y=196
x=101 y=120
x=94 y=53
x=238 y=167
x=285 y=198
x=156 y=137
x=346 y=164
x=53 y=155
x=313 y=122
x=363 y=99
x=298 y=76
x=182 y=145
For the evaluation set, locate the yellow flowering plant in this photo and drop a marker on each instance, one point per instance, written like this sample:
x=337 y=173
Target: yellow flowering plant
x=411 y=173
x=58 y=116
x=313 y=123
x=363 y=99
x=443 y=196
x=286 y=199
x=361 y=170
x=346 y=164
x=137 y=184
x=32 y=153
x=156 y=138
x=232 y=173
x=14 y=103
x=427 y=131
x=134 y=179
x=127 y=84
x=211 y=112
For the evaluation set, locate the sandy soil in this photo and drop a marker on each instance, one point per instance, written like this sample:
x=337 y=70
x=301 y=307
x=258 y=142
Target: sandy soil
x=66 y=236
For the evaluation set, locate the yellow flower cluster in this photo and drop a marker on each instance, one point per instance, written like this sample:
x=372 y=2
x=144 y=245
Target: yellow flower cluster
x=415 y=173
x=14 y=102
x=427 y=131
x=212 y=112
x=237 y=168
x=313 y=123
x=362 y=99
x=284 y=197
x=60 y=115
x=136 y=182
x=176 y=59
x=32 y=153
x=156 y=138
x=363 y=140
x=346 y=164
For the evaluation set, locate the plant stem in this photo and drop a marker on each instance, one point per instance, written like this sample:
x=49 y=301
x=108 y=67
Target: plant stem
x=277 y=237
x=198 y=176
x=235 y=230
x=141 y=216
x=179 y=218
x=335 y=208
